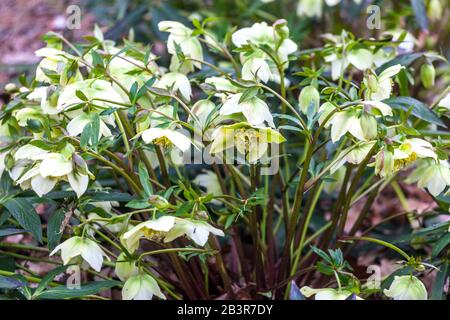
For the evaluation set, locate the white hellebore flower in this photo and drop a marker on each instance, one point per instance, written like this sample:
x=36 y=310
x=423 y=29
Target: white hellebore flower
x=313 y=8
x=93 y=89
x=255 y=110
x=141 y=287
x=176 y=82
x=360 y=122
x=432 y=174
x=250 y=141
x=151 y=229
x=256 y=68
x=47 y=169
x=361 y=59
x=125 y=269
x=445 y=102
x=326 y=293
x=380 y=87
x=354 y=154
x=166 y=137
x=210 y=182
x=53 y=60
x=88 y=249
x=197 y=231
x=189 y=44
x=406 y=288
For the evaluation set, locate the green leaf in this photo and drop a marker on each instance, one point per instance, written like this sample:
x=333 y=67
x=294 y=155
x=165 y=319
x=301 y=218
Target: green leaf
x=26 y=216
x=403 y=59
x=144 y=178
x=11 y=231
x=437 y=292
x=81 y=95
x=440 y=244
x=48 y=278
x=62 y=292
x=248 y=94
x=419 y=109
x=10 y=283
x=54 y=229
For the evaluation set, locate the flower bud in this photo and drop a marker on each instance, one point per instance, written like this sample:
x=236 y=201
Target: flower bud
x=281 y=29
x=10 y=87
x=372 y=82
x=368 y=126
x=427 y=74
x=309 y=98
x=158 y=202
x=407 y=288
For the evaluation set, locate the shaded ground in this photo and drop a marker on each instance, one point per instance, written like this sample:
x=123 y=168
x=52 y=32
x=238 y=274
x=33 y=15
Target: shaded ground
x=22 y=23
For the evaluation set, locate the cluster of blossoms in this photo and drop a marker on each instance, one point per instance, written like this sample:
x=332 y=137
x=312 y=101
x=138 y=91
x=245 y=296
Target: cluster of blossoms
x=81 y=106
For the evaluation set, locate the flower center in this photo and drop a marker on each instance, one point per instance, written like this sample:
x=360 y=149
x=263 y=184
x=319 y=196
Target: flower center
x=154 y=235
x=401 y=163
x=163 y=142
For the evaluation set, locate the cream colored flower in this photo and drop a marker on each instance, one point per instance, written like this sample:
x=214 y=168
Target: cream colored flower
x=255 y=110
x=84 y=247
x=189 y=44
x=151 y=229
x=326 y=293
x=197 y=231
x=431 y=174
x=125 y=269
x=166 y=137
x=250 y=141
x=175 y=81
x=406 y=288
x=379 y=87
x=141 y=287
x=40 y=170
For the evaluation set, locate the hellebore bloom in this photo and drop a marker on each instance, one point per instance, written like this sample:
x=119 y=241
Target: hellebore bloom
x=326 y=293
x=197 y=231
x=432 y=174
x=151 y=229
x=141 y=287
x=125 y=269
x=406 y=288
x=380 y=87
x=250 y=141
x=188 y=43
x=255 y=110
x=175 y=81
x=309 y=97
x=79 y=246
x=166 y=137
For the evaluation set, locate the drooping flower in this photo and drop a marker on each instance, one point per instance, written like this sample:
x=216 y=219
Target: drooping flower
x=88 y=249
x=198 y=231
x=188 y=43
x=141 y=287
x=151 y=229
x=250 y=141
x=359 y=120
x=379 y=87
x=53 y=61
x=404 y=153
x=406 y=288
x=40 y=169
x=309 y=98
x=124 y=268
x=432 y=174
x=175 y=81
x=255 y=110
x=354 y=154
x=326 y=293
x=210 y=182
x=166 y=137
